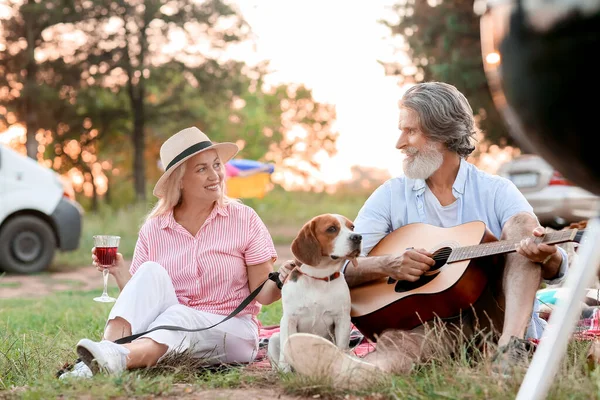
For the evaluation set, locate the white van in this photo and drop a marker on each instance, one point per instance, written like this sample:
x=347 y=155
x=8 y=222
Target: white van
x=36 y=215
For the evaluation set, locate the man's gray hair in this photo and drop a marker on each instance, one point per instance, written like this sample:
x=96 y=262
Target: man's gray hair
x=444 y=115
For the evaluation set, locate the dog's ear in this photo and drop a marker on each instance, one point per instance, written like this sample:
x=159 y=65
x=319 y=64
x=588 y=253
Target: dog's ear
x=305 y=247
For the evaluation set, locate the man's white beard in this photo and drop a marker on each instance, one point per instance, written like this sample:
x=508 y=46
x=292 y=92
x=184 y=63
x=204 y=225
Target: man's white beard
x=423 y=163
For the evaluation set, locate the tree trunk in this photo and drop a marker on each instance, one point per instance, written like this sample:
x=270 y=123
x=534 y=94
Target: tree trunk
x=29 y=109
x=107 y=195
x=94 y=194
x=139 y=146
x=137 y=95
x=30 y=123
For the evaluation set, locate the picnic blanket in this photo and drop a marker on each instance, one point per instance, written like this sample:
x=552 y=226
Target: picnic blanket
x=588 y=324
x=587 y=328
x=360 y=345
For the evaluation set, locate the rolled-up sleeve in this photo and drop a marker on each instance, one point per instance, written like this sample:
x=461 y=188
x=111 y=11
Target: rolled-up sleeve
x=562 y=271
x=260 y=247
x=509 y=201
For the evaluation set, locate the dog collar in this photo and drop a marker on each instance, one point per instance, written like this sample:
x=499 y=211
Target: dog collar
x=329 y=278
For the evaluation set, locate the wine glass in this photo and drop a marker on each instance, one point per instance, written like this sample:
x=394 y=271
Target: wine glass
x=106 y=252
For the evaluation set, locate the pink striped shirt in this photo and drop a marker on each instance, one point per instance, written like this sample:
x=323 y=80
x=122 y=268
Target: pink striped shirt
x=209 y=270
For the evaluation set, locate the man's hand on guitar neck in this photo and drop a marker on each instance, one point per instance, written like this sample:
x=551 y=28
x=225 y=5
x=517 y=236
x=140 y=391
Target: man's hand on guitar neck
x=546 y=255
x=408 y=266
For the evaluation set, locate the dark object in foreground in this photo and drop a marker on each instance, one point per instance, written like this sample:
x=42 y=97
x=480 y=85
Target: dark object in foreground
x=548 y=79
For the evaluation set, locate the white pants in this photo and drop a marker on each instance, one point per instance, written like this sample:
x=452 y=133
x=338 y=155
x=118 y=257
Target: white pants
x=148 y=300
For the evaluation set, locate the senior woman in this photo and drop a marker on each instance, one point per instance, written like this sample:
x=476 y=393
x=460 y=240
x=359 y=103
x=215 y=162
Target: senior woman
x=199 y=254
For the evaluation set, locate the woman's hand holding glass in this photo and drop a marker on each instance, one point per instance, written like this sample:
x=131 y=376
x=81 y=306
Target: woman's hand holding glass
x=117 y=268
x=114 y=269
x=104 y=257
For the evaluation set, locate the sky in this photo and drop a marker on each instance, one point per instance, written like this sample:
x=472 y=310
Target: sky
x=333 y=47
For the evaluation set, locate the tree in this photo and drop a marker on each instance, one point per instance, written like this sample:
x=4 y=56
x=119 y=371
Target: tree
x=231 y=102
x=87 y=138
x=24 y=97
x=106 y=78
x=306 y=131
x=443 y=41
x=122 y=52
x=282 y=124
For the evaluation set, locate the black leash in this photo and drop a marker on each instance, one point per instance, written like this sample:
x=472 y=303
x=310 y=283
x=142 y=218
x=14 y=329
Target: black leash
x=273 y=276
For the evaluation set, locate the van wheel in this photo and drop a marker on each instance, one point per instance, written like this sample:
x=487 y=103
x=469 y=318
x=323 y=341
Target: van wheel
x=27 y=245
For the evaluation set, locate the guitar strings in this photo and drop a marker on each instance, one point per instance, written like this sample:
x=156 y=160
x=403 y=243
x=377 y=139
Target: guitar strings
x=442 y=254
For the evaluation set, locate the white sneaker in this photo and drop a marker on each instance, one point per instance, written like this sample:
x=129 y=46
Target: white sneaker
x=105 y=356
x=318 y=358
x=80 y=370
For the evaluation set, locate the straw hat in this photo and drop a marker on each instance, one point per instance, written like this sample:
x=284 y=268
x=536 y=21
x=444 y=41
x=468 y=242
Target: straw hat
x=185 y=144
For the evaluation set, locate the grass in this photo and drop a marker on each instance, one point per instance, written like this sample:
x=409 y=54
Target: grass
x=283 y=213
x=9 y=285
x=38 y=335
x=124 y=223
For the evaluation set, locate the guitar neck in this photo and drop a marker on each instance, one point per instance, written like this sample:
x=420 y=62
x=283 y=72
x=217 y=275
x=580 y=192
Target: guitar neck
x=510 y=246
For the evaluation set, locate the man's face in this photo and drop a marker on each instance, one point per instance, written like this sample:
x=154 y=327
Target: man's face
x=422 y=156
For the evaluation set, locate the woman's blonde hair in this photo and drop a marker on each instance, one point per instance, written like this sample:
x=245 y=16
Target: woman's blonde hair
x=172 y=197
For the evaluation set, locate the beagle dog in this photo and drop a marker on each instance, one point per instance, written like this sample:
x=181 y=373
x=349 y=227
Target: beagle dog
x=315 y=295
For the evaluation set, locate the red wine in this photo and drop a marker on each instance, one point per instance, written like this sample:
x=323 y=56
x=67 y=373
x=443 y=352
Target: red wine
x=106 y=255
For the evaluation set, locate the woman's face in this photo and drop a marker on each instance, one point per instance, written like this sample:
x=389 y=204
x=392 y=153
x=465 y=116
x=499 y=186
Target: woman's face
x=203 y=179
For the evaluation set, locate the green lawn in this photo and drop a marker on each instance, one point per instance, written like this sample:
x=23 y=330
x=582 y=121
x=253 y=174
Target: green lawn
x=38 y=335
x=283 y=212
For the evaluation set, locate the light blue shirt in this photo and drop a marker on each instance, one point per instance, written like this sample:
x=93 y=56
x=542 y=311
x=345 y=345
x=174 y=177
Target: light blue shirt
x=480 y=196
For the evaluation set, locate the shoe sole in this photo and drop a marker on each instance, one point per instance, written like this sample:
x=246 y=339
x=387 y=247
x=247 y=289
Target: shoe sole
x=317 y=357
x=88 y=358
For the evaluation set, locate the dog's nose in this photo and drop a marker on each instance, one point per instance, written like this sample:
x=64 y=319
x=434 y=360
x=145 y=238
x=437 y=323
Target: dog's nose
x=356 y=238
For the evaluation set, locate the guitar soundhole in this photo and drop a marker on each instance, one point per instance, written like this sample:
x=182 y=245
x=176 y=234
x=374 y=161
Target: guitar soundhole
x=440 y=256
x=405 y=286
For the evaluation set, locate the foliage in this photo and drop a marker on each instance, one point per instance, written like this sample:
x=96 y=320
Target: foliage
x=121 y=53
x=443 y=40
x=112 y=84
x=30 y=88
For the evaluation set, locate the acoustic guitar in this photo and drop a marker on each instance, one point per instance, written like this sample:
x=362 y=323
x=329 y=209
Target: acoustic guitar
x=462 y=255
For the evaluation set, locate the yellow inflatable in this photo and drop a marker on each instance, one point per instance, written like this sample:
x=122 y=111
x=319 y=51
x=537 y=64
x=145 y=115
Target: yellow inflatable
x=253 y=186
x=243 y=185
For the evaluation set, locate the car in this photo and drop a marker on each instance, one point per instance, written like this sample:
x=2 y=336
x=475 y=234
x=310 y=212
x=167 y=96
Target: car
x=38 y=214
x=556 y=201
